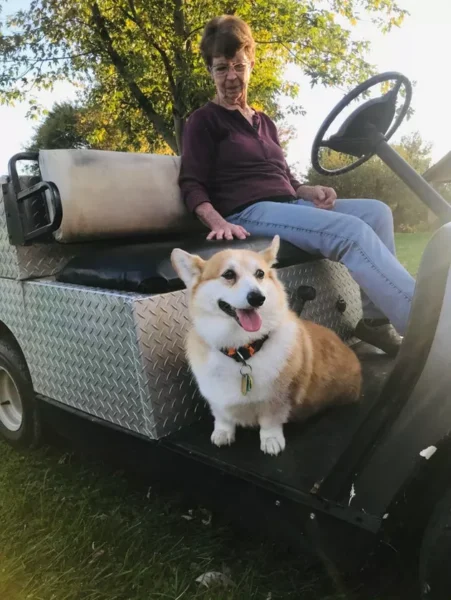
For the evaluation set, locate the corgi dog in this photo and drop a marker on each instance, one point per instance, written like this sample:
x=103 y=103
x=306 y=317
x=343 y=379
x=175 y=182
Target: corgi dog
x=255 y=361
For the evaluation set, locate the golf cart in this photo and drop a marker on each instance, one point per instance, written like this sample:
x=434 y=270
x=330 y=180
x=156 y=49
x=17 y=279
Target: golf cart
x=93 y=319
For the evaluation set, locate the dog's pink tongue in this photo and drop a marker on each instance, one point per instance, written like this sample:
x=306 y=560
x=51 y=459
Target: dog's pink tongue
x=249 y=319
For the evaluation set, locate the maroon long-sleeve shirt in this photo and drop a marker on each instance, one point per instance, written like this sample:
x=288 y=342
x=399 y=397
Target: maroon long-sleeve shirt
x=230 y=163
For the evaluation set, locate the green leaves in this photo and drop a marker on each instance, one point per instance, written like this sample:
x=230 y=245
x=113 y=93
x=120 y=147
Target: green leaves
x=141 y=57
x=62 y=128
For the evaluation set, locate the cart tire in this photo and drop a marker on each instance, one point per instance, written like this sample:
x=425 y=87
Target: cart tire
x=435 y=553
x=20 y=423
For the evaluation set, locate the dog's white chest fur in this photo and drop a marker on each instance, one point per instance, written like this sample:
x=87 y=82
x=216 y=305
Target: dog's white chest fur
x=219 y=376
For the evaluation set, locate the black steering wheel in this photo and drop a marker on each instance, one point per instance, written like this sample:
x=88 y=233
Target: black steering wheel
x=354 y=136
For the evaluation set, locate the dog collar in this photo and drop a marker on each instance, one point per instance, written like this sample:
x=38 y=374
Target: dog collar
x=244 y=353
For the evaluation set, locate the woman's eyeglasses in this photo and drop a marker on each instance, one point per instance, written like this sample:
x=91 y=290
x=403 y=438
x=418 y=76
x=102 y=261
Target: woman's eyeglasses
x=222 y=70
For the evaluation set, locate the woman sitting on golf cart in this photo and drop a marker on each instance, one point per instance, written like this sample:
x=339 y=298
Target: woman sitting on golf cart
x=234 y=177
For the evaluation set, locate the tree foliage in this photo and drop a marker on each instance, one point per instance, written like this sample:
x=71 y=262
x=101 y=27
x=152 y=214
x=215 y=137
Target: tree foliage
x=61 y=128
x=137 y=61
x=375 y=180
x=71 y=125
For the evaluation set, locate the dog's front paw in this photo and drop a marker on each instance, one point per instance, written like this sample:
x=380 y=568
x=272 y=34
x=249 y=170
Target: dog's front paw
x=272 y=443
x=222 y=437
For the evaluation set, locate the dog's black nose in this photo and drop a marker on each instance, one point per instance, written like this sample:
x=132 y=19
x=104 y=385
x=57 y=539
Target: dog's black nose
x=255 y=298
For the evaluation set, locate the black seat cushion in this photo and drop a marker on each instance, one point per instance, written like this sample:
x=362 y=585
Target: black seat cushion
x=147 y=268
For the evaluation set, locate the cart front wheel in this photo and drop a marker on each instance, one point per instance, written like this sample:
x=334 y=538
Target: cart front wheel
x=20 y=424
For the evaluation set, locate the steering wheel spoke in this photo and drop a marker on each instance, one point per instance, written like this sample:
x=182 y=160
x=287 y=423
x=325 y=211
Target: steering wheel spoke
x=356 y=135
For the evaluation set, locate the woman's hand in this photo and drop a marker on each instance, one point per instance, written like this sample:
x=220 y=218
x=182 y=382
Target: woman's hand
x=321 y=196
x=220 y=228
x=227 y=231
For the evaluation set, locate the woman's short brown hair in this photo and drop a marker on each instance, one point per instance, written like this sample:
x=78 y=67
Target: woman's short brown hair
x=225 y=36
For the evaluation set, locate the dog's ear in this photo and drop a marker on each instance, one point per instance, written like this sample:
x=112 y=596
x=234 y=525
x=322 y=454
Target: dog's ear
x=270 y=253
x=188 y=266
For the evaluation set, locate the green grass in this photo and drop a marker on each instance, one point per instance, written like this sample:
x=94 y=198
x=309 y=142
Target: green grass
x=410 y=247
x=73 y=530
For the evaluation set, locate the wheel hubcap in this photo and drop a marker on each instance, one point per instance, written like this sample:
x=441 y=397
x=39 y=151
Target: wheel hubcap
x=11 y=410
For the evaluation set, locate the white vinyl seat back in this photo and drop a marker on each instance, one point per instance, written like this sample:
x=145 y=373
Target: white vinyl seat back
x=115 y=194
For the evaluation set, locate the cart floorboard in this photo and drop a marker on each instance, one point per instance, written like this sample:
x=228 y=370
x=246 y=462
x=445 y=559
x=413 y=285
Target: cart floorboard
x=312 y=449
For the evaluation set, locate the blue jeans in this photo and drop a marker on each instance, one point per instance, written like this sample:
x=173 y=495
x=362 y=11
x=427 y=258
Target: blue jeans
x=357 y=233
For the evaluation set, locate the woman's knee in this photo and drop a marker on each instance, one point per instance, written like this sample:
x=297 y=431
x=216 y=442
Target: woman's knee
x=348 y=235
x=381 y=214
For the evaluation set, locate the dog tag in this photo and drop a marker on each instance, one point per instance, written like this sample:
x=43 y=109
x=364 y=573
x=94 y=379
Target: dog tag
x=246 y=384
x=246 y=380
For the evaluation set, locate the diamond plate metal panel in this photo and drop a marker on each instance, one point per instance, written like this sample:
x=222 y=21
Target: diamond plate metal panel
x=332 y=282
x=80 y=346
x=82 y=351
x=8 y=261
x=162 y=324
x=12 y=307
x=37 y=260
x=42 y=260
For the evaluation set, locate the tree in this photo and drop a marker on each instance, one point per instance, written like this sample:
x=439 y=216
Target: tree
x=62 y=128
x=74 y=126
x=111 y=123
x=375 y=180
x=141 y=58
